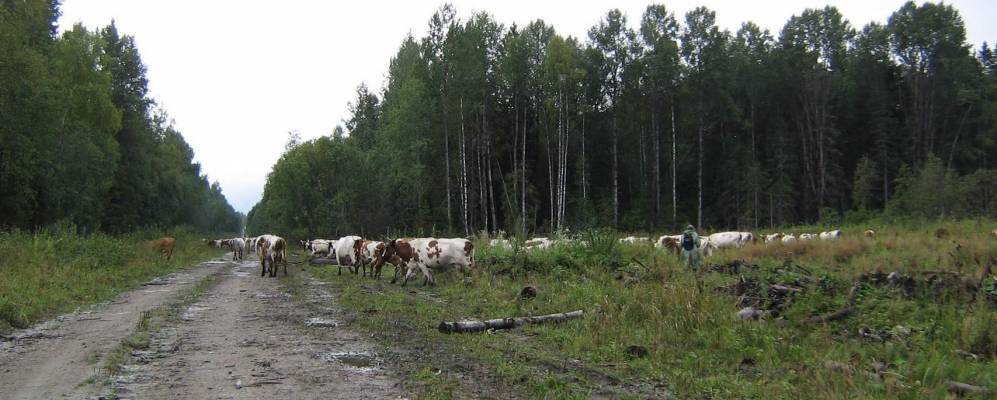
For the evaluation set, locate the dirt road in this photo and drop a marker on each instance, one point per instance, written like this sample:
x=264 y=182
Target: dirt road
x=246 y=337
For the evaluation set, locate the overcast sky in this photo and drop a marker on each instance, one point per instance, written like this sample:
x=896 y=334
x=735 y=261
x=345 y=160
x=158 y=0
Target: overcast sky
x=236 y=76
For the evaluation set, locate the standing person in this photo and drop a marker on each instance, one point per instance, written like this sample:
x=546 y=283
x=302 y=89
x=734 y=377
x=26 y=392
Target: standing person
x=690 y=248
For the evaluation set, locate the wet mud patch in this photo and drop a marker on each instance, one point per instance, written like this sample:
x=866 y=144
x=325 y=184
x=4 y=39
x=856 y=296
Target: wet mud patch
x=359 y=362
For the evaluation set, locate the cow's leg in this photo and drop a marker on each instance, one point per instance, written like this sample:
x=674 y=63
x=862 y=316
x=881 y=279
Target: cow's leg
x=429 y=278
x=263 y=265
x=408 y=275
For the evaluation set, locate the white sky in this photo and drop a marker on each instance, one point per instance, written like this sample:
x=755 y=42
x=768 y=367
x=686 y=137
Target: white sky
x=236 y=76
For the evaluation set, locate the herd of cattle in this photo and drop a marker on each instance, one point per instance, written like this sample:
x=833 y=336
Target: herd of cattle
x=414 y=255
x=707 y=244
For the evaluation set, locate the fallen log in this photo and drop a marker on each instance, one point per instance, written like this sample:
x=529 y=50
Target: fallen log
x=473 y=325
x=965 y=389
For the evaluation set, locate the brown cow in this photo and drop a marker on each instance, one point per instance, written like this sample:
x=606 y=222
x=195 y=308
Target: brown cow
x=164 y=245
x=273 y=249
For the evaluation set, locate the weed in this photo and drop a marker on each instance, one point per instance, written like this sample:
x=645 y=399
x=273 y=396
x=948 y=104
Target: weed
x=696 y=345
x=57 y=270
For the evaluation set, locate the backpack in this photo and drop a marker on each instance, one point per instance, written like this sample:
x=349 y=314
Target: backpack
x=688 y=243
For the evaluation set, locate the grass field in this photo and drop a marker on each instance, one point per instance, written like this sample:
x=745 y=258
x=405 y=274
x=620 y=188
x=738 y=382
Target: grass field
x=57 y=270
x=905 y=338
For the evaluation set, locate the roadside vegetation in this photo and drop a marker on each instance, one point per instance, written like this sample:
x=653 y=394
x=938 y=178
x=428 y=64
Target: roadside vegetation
x=907 y=339
x=56 y=270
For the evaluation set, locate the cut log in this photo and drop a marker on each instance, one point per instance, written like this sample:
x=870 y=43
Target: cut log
x=473 y=325
x=965 y=389
x=782 y=289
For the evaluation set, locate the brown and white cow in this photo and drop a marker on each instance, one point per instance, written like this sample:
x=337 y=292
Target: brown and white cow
x=669 y=242
x=372 y=254
x=426 y=253
x=273 y=249
x=164 y=245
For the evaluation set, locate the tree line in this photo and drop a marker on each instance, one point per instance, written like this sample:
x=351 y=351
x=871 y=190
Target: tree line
x=80 y=139
x=481 y=126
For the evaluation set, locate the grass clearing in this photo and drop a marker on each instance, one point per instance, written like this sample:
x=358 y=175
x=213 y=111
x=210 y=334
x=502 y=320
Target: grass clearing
x=55 y=271
x=901 y=341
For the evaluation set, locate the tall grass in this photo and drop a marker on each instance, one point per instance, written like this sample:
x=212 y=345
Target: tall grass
x=56 y=270
x=697 y=346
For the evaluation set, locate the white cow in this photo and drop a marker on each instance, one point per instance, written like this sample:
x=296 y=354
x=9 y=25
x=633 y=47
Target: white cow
x=426 y=253
x=238 y=247
x=538 y=243
x=727 y=240
x=348 y=252
x=830 y=235
x=321 y=246
x=808 y=236
x=503 y=243
x=635 y=239
x=706 y=246
x=788 y=238
x=775 y=237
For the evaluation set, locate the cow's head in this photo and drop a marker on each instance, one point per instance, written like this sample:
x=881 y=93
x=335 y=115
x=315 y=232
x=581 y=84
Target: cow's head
x=390 y=248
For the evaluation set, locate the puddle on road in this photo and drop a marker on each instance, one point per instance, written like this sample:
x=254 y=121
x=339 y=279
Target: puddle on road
x=192 y=312
x=271 y=295
x=355 y=361
x=321 y=322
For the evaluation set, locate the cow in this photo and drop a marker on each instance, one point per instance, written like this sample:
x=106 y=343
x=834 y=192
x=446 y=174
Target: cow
x=237 y=245
x=727 y=240
x=808 y=236
x=503 y=243
x=164 y=245
x=371 y=254
x=671 y=242
x=216 y=243
x=320 y=246
x=706 y=246
x=538 y=243
x=788 y=238
x=635 y=239
x=993 y=233
x=347 y=252
x=869 y=233
x=775 y=237
x=830 y=235
x=273 y=249
x=427 y=253
x=250 y=242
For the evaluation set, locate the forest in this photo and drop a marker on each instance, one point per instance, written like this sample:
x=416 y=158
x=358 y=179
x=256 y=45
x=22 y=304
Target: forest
x=651 y=124
x=83 y=143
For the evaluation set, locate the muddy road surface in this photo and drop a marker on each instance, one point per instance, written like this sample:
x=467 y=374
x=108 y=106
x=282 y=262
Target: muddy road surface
x=244 y=337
